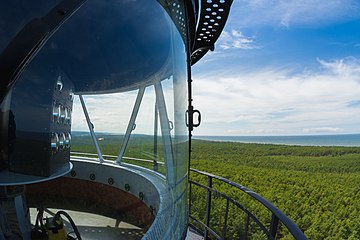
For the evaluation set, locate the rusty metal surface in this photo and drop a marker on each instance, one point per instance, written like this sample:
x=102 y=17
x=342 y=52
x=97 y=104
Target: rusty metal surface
x=92 y=197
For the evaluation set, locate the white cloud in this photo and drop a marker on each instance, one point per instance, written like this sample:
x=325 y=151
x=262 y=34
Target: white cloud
x=272 y=100
x=349 y=66
x=288 y=12
x=108 y=113
x=266 y=101
x=236 y=39
x=323 y=130
x=112 y=112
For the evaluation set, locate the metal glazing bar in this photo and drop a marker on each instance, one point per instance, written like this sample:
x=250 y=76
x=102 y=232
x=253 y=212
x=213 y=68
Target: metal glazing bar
x=91 y=129
x=166 y=136
x=131 y=124
x=156 y=123
x=208 y=207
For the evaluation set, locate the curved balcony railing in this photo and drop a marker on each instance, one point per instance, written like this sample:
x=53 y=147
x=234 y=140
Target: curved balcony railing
x=270 y=229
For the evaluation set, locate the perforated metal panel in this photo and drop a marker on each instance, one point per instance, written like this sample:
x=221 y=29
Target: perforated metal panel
x=213 y=16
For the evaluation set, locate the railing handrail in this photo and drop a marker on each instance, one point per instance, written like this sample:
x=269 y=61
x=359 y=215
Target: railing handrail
x=112 y=156
x=290 y=225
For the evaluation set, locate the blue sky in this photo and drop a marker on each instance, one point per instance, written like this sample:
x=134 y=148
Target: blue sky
x=280 y=67
x=283 y=68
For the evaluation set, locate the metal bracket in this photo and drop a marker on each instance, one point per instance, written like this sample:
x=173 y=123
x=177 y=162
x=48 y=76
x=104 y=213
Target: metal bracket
x=189 y=118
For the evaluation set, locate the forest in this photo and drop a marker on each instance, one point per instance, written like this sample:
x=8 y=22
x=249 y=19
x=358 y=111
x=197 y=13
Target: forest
x=317 y=187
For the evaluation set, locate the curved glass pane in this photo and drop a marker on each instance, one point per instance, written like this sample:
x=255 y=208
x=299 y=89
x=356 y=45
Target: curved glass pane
x=15 y=14
x=127 y=61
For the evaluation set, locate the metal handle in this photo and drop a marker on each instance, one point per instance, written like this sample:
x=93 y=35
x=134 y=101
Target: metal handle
x=189 y=118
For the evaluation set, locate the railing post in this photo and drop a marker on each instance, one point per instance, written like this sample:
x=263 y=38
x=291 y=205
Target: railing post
x=225 y=218
x=247 y=222
x=273 y=226
x=276 y=217
x=208 y=207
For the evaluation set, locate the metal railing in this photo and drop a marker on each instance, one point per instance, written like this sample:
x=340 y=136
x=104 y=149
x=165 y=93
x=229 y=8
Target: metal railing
x=208 y=232
x=270 y=230
x=82 y=155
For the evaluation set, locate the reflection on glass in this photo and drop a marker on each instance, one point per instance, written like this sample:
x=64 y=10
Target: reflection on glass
x=56 y=113
x=59 y=84
x=63 y=113
x=67 y=140
x=54 y=142
x=71 y=95
x=61 y=141
x=68 y=116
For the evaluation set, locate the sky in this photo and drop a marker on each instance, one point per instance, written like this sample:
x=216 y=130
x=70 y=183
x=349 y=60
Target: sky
x=282 y=68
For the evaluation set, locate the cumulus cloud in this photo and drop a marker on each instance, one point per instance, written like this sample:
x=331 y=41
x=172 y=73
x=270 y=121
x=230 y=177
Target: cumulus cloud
x=235 y=39
x=287 y=13
x=273 y=99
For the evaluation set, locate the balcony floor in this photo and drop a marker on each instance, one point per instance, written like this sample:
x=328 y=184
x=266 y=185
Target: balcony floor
x=93 y=227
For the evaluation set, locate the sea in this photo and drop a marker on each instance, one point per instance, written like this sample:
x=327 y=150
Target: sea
x=352 y=140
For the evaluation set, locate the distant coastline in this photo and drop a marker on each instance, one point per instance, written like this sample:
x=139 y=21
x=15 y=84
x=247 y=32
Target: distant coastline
x=352 y=140
x=349 y=140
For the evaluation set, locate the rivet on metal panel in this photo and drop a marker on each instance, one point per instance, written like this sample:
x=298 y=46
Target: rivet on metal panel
x=127 y=187
x=141 y=195
x=92 y=177
x=111 y=181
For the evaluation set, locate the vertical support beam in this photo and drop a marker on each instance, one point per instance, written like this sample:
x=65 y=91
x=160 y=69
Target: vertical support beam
x=166 y=136
x=189 y=15
x=190 y=197
x=91 y=129
x=208 y=208
x=273 y=226
x=156 y=121
x=131 y=124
